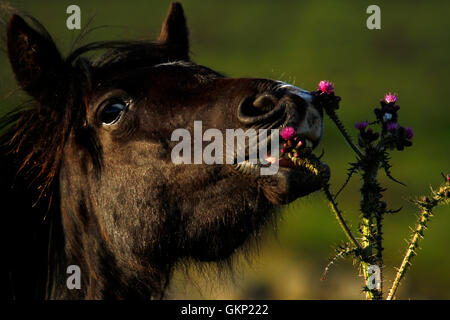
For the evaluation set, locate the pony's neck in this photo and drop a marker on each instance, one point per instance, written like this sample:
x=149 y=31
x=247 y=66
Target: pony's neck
x=100 y=276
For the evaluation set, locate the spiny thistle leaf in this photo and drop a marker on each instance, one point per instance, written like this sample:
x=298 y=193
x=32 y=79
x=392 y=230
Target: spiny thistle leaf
x=387 y=168
x=342 y=252
x=394 y=211
x=354 y=167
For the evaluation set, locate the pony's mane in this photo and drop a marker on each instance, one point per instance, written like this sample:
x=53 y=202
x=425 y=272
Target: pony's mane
x=32 y=141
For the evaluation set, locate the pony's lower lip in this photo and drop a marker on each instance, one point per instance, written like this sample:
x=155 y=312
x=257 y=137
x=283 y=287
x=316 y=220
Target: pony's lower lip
x=286 y=163
x=291 y=183
x=283 y=162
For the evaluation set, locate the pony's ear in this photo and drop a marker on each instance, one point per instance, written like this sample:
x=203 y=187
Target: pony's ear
x=34 y=58
x=175 y=34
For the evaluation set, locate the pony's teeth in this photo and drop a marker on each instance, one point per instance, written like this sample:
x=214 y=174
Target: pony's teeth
x=271 y=159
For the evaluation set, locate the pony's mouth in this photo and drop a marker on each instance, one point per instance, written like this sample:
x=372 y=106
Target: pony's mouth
x=303 y=148
x=300 y=121
x=294 y=177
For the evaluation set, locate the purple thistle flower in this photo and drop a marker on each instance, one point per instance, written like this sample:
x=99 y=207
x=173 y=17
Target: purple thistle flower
x=409 y=133
x=288 y=133
x=390 y=98
x=326 y=86
x=361 y=125
x=392 y=126
x=448 y=178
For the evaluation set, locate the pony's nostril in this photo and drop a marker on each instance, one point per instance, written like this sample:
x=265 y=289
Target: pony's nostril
x=265 y=103
x=264 y=108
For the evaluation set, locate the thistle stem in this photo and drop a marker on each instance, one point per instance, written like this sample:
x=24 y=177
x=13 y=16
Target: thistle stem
x=410 y=253
x=426 y=206
x=338 y=214
x=314 y=165
x=371 y=223
x=370 y=204
x=333 y=116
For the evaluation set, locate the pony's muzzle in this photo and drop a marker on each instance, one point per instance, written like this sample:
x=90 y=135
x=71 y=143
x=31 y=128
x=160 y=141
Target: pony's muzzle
x=261 y=109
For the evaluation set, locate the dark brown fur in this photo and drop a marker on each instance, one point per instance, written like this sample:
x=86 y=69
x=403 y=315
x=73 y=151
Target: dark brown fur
x=108 y=198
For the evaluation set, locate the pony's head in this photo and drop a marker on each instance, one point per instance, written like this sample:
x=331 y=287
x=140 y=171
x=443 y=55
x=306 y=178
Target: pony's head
x=99 y=144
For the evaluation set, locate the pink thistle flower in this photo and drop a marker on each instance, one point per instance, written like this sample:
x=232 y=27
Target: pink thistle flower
x=392 y=126
x=409 y=133
x=390 y=98
x=326 y=86
x=448 y=178
x=361 y=125
x=288 y=133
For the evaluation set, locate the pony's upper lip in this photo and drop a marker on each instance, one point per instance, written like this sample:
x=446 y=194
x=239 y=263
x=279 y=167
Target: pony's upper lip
x=295 y=90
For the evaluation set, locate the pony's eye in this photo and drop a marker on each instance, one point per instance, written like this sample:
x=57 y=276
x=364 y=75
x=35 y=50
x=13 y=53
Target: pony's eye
x=112 y=112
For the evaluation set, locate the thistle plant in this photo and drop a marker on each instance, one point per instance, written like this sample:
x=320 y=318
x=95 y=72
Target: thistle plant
x=376 y=139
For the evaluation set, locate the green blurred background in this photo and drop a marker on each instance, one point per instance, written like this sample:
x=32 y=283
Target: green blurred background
x=303 y=42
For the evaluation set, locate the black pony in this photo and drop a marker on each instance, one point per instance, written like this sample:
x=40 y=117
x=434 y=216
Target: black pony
x=87 y=176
